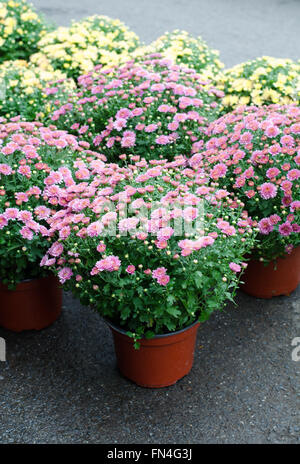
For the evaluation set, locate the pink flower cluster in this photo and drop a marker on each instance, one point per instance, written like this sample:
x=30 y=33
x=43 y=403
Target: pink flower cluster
x=255 y=152
x=188 y=246
x=139 y=207
x=161 y=276
x=33 y=172
x=110 y=264
x=147 y=108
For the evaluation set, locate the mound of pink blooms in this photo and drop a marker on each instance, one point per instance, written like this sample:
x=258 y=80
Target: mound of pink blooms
x=142 y=243
x=154 y=109
x=255 y=152
x=33 y=162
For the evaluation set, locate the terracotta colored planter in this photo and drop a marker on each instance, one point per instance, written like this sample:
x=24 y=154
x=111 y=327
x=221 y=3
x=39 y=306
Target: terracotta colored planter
x=33 y=305
x=280 y=277
x=160 y=361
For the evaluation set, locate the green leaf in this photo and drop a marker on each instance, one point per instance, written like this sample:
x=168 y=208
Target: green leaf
x=198 y=279
x=173 y=311
x=171 y=299
x=149 y=334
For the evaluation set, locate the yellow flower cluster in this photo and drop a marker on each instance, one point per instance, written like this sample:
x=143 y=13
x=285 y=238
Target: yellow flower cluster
x=95 y=40
x=263 y=81
x=23 y=88
x=182 y=48
x=20 y=30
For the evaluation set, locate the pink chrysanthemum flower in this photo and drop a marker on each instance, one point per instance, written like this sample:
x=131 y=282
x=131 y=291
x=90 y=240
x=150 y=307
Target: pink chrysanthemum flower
x=26 y=233
x=293 y=174
x=246 y=138
x=11 y=213
x=272 y=172
x=285 y=229
x=21 y=197
x=295 y=205
x=265 y=226
x=272 y=131
x=119 y=124
x=95 y=229
x=42 y=212
x=24 y=215
x=268 y=190
x=101 y=247
x=274 y=219
x=56 y=249
x=218 y=171
x=110 y=264
x=5 y=169
x=163 y=280
x=162 y=140
x=151 y=128
x=130 y=269
x=123 y=113
x=128 y=224
x=65 y=274
x=3 y=221
x=128 y=139
x=159 y=272
x=165 y=233
x=190 y=213
x=235 y=267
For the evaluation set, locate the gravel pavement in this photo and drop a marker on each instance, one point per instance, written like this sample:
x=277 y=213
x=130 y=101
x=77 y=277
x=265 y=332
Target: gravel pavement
x=61 y=385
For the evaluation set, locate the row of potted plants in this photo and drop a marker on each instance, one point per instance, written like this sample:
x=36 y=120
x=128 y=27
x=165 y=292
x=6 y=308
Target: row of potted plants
x=255 y=153
x=169 y=111
x=151 y=106
x=144 y=202
x=44 y=54
x=117 y=238
x=141 y=245
x=157 y=238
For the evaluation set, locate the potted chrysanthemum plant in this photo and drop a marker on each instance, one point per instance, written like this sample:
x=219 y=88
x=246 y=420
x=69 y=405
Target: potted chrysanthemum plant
x=263 y=81
x=94 y=40
x=255 y=152
x=154 y=252
x=30 y=297
x=21 y=28
x=154 y=109
x=25 y=89
x=190 y=51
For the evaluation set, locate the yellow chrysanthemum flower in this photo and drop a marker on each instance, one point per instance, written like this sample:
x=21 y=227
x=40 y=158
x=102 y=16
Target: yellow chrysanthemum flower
x=20 y=30
x=184 y=49
x=22 y=79
x=92 y=41
x=265 y=80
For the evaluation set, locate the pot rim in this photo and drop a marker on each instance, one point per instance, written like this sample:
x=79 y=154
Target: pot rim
x=285 y=255
x=169 y=334
x=34 y=279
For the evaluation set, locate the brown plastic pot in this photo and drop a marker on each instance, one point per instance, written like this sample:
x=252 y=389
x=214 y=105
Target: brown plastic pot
x=33 y=305
x=160 y=361
x=279 y=277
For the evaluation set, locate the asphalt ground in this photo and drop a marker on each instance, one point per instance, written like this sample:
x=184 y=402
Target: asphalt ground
x=61 y=385
x=239 y=29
